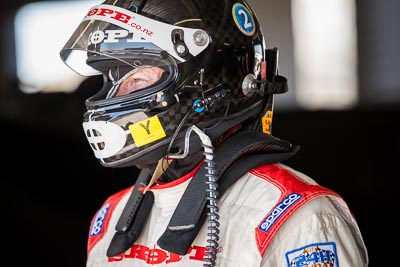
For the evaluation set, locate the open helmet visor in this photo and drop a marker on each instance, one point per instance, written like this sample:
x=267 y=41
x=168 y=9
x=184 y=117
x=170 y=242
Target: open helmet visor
x=111 y=28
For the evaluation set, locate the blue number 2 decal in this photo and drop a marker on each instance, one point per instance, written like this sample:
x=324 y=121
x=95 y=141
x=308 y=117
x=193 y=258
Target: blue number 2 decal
x=247 y=24
x=243 y=19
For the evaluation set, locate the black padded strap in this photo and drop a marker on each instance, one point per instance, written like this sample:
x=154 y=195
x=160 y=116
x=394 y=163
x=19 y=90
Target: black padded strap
x=122 y=241
x=128 y=213
x=132 y=218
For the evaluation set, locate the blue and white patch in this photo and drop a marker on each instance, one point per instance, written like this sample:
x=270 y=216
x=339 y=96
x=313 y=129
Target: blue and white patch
x=318 y=254
x=99 y=221
x=279 y=209
x=243 y=19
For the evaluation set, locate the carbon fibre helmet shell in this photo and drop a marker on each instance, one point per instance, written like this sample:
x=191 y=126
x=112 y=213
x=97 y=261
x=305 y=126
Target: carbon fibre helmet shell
x=137 y=128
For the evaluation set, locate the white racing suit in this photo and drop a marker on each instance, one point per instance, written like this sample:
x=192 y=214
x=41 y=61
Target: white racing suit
x=273 y=216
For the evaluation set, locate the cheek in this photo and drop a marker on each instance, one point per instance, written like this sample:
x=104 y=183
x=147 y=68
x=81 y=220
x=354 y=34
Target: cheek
x=130 y=86
x=126 y=88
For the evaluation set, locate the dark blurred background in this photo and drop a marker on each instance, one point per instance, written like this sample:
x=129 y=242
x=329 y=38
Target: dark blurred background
x=52 y=184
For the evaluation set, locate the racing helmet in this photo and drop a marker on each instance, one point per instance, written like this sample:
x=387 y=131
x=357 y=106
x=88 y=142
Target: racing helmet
x=167 y=65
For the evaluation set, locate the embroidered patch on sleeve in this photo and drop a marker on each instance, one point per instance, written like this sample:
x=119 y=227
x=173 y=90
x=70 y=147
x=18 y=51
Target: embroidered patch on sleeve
x=98 y=225
x=98 y=222
x=277 y=212
x=318 y=254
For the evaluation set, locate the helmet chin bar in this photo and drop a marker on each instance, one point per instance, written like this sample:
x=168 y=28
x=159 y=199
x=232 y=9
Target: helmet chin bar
x=105 y=138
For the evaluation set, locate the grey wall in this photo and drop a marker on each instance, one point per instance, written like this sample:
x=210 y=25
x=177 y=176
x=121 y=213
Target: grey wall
x=378 y=38
x=379 y=51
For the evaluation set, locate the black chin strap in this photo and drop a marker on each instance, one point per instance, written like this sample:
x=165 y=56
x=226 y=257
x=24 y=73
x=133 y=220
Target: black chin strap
x=233 y=158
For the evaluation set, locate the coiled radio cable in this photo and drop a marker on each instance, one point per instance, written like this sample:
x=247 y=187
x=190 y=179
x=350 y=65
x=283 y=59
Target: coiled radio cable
x=212 y=193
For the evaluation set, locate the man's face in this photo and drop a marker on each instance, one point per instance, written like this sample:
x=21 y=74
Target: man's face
x=140 y=79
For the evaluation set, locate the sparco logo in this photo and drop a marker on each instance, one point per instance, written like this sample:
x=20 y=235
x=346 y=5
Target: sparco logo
x=278 y=211
x=98 y=222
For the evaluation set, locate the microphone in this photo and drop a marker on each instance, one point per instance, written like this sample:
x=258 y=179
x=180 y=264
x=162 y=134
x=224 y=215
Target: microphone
x=218 y=95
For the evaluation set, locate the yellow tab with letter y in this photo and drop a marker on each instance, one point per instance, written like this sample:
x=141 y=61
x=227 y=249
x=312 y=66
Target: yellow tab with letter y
x=147 y=131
